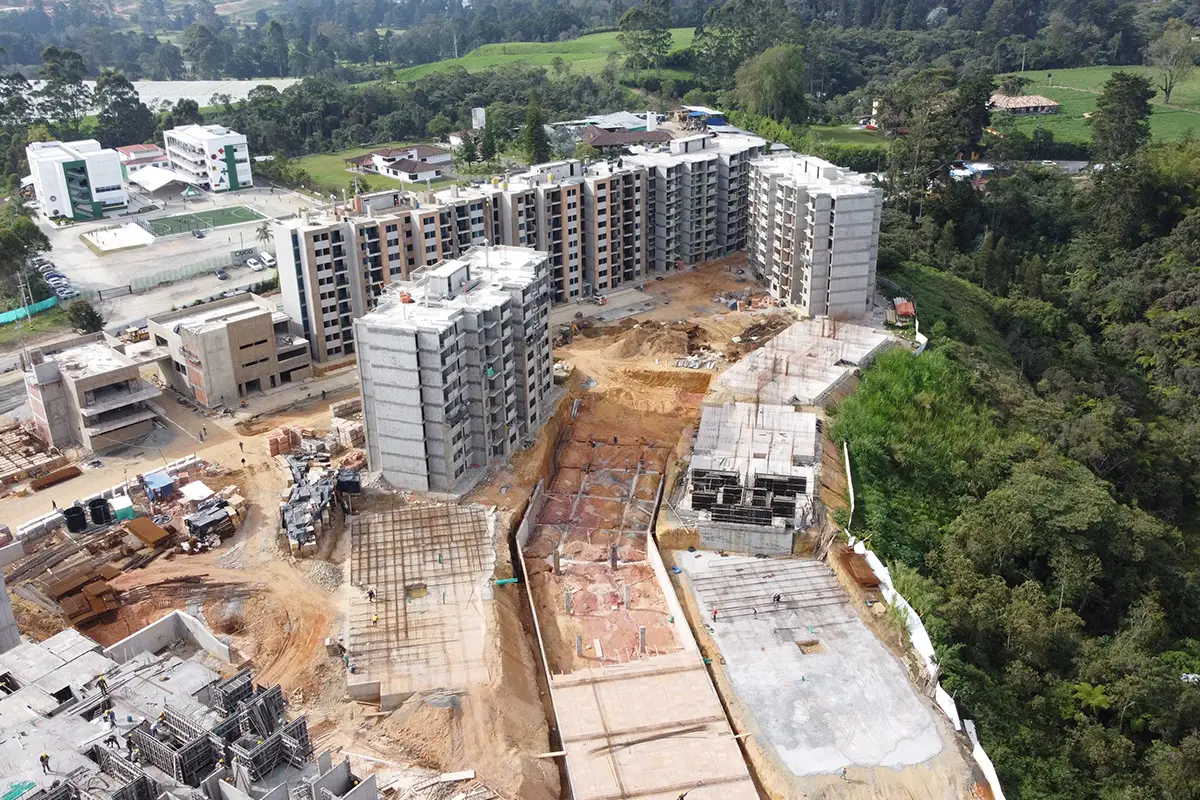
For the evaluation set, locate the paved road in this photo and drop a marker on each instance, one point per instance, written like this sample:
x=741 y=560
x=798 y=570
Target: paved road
x=12 y=395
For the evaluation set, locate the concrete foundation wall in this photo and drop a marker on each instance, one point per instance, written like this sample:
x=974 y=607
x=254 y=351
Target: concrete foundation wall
x=751 y=539
x=367 y=790
x=160 y=634
x=10 y=636
x=682 y=631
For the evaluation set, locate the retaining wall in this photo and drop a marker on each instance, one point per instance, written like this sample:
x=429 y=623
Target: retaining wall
x=158 y=635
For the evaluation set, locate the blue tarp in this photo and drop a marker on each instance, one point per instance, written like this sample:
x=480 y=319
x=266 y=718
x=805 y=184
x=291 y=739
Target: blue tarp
x=159 y=485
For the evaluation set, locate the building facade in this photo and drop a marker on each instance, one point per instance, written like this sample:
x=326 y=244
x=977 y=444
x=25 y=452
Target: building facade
x=77 y=180
x=455 y=367
x=229 y=348
x=139 y=156
x=87 y=392
x=212 y=157
x=813 y=234
x=697 y=190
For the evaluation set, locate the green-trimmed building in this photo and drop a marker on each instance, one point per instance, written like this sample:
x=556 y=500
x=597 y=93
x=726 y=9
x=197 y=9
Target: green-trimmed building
x=210 y=156
x=76 y=180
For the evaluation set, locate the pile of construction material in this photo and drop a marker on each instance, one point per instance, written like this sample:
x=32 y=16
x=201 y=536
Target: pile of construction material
x=283 y=441
x=23 y=454
x=345 y=425
x=86 y=596
x=306 y=512
x=214 y=520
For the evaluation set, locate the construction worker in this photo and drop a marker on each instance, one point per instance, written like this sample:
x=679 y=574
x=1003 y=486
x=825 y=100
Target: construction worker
x=374 y=619
x=242 y=446
x=129 y=747
x=45 y=759
x=844 y=774
x=102 y=684
x=112 y=742
x=775 y=600
x=371 y=593
x=714 y=615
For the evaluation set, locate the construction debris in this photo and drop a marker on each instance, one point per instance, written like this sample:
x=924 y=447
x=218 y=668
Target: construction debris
x=313 y=486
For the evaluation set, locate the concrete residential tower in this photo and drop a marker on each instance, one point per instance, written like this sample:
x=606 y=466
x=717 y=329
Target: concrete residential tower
x=210 y=156
x=455 y=367
x=813 y=234
x=78 y=180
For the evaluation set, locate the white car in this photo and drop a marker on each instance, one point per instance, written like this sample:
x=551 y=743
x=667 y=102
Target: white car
x=267 y=259
x=255 y=265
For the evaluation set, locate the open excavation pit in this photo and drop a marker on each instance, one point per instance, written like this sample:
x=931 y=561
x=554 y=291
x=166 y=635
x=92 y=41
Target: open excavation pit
x=636 y=712
x=431 y=568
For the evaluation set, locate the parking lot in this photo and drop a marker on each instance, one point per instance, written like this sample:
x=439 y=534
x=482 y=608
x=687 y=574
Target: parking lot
x=89 y=271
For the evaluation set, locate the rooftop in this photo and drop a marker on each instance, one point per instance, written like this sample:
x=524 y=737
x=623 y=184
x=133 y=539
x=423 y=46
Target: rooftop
x=202 y=132
x=999 y=100
x=666 y=154
x=212 y=316
x=598 y=137
x=139 y=150
x=59 y=151
x=801 y=364
x=92 y=358
x=753 y=439
x=810 y=171
x=423 y=302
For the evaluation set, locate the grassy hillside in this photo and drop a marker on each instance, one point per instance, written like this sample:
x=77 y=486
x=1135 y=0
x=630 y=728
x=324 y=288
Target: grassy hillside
x=1076 y=90
x=587 y=54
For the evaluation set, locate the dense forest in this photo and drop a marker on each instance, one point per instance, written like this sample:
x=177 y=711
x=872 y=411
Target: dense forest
x=1032 y=477
x=339 y=38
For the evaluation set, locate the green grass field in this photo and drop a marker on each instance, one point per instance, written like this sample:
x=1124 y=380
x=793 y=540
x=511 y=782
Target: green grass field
x=848 y=134
x=1076 y=89
x=54 y=319
x=202 y=219
x=330 y=174
x=586 y=55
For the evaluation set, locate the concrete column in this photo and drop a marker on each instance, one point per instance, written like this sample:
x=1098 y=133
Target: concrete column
x=567 y=600
x=627 y=595
x=579 y=644
x=642 y=639
x=612 y=556
x=557 y=565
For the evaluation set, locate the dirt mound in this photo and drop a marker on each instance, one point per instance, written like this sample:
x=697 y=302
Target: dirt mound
x=687 y=380
x=649 y=340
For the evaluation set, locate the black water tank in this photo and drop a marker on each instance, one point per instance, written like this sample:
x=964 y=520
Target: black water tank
x=76 y=518
x=101 y=513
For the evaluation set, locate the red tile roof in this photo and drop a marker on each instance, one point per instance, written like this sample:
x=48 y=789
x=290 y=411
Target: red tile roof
x=130 y=149
x=905 y=308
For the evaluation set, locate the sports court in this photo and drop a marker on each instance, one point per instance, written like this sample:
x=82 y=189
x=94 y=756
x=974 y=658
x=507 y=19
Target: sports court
x=205 y=220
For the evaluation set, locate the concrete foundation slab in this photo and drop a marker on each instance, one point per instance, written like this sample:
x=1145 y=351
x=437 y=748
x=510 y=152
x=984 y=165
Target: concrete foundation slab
x=823 y=691
x=431 y=567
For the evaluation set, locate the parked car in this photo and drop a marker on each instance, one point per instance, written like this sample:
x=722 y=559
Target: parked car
x=267 y=259
x=58 y=282
x=199 y=234
x=255 y=265
x=66 y=293
x=222 y=275
x=51 y=274
x=47 y=267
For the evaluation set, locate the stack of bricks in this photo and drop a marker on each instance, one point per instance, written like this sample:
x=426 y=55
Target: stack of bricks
x=283 y=441
x=350 y=433
x=345 y=409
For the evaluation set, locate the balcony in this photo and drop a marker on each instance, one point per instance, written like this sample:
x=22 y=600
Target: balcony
x=110 y=399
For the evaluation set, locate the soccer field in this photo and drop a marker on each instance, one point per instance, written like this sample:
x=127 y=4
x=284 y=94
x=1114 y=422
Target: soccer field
x=205 y=220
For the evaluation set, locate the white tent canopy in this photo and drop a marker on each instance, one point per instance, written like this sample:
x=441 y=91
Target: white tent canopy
x=154 y=178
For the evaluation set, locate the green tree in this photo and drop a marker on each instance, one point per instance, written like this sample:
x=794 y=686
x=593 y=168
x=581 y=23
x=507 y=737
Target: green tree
x=64 y=98
x=1013 y=85
x=468 y=153
x=1121 y=122
x=122 y=118
x=263 y=234
x=534 y=142
x=645 y=35
x=771 y=84
x=487 y=146
x=585 y=152
x=84 y=317
x=358 y=184
x=275 y=48
x=1174 y=56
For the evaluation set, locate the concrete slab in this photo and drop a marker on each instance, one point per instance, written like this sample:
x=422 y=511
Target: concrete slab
x=823 y=691
x=431 y=567
x=652 y=728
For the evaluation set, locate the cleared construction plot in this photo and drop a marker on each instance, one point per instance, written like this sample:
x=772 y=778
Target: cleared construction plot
x=638 y=715
x=822 y=691
x=431 y=567
x=801 y=365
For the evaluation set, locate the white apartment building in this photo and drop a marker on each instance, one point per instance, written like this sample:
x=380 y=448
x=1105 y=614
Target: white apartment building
x=813 y=234
x=697 y=189
x=455 y=367
x=78 y=180
x=210 y=156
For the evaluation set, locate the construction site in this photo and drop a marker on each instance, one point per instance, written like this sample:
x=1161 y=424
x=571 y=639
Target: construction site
x=272 y=621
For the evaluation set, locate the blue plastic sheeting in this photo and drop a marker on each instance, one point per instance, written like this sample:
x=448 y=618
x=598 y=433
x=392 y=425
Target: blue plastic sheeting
x=159 y=484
